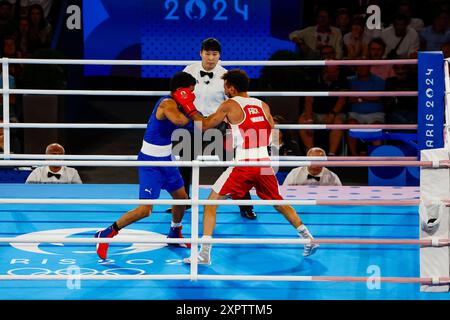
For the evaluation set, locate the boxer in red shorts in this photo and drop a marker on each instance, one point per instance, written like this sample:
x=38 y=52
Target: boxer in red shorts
x=251 y=124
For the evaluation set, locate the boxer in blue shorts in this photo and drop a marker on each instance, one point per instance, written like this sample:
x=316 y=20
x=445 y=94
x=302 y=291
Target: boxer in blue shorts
x=157 y=146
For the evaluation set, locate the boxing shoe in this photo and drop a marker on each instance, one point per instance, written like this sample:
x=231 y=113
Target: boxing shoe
x=310 y=249
x=175 y=232
x=203 y=257
x=248 y=214
x=102 y=248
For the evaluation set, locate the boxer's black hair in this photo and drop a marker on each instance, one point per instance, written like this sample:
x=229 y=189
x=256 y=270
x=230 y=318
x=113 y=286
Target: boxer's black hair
x=181 y=80
x=238 y=79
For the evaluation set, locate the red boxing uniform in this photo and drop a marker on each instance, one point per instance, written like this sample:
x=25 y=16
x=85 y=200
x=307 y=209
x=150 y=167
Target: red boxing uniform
x=251 y=138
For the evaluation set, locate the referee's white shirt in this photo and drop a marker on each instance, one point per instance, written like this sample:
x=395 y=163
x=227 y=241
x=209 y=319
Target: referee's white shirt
x=40 y=175
x=299 y=177
x=209 y=93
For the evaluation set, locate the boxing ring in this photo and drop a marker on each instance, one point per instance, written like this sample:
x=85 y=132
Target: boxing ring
x=368 y=235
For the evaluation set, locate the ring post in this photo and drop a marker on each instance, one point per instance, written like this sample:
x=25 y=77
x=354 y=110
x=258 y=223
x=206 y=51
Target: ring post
x=434 y=183
x=6 y=129
x=194 y=218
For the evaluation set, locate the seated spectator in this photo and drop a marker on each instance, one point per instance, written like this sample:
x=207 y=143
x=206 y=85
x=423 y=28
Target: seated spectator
x=376 y=50
x=52 y=174
x=325 y=110
x=320 y=35
x=327 y=52
x=10 y=51
x=25 y=5
x=357 y=40
x=401 y=40
x=312 y=175
x=365 y=110
x=12 y=99
x=22 y=36
x=401 y=110
x=445 y=48
x=404 y=7
x=304 y=52
x=282 y=144
x=7 y=25
x=286 y=145
x=343 y=20
x=434 y=36
x=40 y=31
x=15 y=145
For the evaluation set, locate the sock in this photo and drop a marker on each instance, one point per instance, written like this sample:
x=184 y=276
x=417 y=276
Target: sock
x=115 y=227
x=206 y=246
x=304 y=232
x=175 y=225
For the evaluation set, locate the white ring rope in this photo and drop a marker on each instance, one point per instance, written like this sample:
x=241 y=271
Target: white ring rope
x=254 y=93
x=223 y=63
x=112 y=163
x=134 y=157
x=442 y=242
x=196 y=164
x=439 y=280
x=143 y=126
x=215 y=202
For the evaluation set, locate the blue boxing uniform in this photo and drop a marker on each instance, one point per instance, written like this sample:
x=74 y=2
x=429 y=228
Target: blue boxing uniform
x=157 y=146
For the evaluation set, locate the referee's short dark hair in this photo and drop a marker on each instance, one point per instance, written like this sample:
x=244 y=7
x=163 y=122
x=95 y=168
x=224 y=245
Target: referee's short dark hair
x=181 y=80
x=211 y=44
x=238 y=79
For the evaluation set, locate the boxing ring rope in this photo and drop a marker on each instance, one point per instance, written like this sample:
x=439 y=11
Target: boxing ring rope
x=223 y=63
x=252 y=93
x=195 y=201
x=134 y=157
x=143 y=126
x=217 y=202
x=196 y=163
x=434 y=280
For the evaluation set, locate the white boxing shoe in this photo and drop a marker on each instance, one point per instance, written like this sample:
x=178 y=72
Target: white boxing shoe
x=203 y=257
x=310 y=248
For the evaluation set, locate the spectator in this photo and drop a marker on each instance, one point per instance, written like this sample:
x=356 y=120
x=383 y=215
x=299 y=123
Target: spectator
x=312 y=175
x=434 y=36
x=343 y=20
x=325 y=110
x=15 y=145
x=22 y=36
x=357 y=40
x=401 y=109
x=286 y=145
x=376 y=50
x=25 y=5
x=446 y=49
x=327 y=52
x=10 y=51
x=304 y=52
x=12 y=98
x=283 y=146
x=401 y=40
x=7 y=26
x=52 y=174
x=40 y=31
x=365 y=110
x=320 y=35
x=404 y=7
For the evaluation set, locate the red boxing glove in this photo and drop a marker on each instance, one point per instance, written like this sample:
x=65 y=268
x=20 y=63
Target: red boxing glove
x=185 y=97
